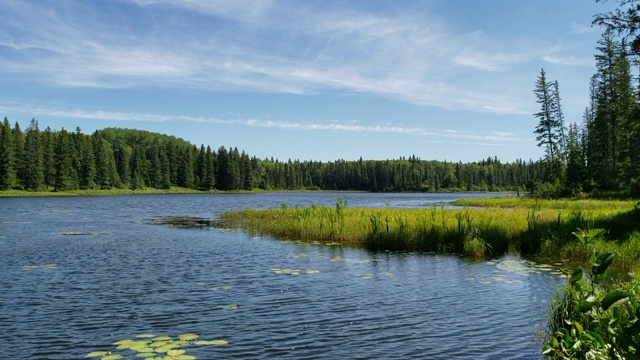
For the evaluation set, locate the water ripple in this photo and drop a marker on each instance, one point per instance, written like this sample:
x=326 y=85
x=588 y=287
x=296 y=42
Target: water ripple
x=130 y=278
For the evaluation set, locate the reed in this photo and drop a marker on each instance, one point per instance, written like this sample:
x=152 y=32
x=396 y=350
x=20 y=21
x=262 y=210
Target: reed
x=534 y=230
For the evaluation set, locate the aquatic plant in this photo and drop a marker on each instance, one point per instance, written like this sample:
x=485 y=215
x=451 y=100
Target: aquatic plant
x=592 y=320
x=151 y=346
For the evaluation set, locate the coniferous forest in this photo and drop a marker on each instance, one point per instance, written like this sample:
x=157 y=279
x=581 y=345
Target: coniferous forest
x=37 y=160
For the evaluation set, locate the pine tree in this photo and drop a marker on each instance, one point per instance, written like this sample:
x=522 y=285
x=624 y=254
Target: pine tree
x=19 y=140
x=34 y=159
x=547 y=130
x=7 y=171
x=87 y=171
x=559 y=118
x=576 y=169
x=138 y=167
x=63 y=162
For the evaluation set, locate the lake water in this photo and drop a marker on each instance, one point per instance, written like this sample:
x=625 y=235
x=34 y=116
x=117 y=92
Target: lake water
x=63 y=296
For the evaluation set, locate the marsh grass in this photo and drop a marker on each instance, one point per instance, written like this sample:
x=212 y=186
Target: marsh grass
x=535 y=203
x=541 y=228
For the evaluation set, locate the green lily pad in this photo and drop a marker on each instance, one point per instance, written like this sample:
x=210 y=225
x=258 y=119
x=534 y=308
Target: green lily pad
x=122 y=342
x=134 y=345
x=189 y=337
x=112 y=357
x=175 y=352
x=159 y=343
x=166 y=348
x=144 y=350
x=183 y=357
x=146 y=336
x=211 y=342
x=96 y=354
x=230 y=306
x=145 y=354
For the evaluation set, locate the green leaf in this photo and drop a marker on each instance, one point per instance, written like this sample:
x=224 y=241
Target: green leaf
x=188 y=337
x=576 y=276
x=145 y=354
x=211 y=342
x=112 y=357
x=96 y=354
x=584 y=306
x=601 y=263
x=614 y=298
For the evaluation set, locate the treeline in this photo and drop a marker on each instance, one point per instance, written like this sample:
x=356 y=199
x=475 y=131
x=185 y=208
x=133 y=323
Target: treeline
x=49 y=160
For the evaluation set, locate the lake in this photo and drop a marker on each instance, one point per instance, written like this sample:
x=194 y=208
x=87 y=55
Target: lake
x=80 y=273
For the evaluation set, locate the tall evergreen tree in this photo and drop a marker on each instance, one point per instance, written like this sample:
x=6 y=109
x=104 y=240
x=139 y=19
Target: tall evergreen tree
x=63 y=162
x=34 y=159
x=19 y=140
x=576 y=168
x=87 y=171
x=548 y=126
x=7 y=170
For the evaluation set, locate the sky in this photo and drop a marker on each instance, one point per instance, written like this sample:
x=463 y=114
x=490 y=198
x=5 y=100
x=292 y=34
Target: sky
x=310 y=80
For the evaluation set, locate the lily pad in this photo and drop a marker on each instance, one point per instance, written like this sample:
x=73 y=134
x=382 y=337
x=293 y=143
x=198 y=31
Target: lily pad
x=122 y=342
x=96 y=354
x=159 y=343
x=211 y=342
x=112 y=357
x=146 y=336
x=183 y=357
x=145 y=354
x=166 y=348
x=230 y=306
x=144 y=350
x=175 y=352
x=189 y=337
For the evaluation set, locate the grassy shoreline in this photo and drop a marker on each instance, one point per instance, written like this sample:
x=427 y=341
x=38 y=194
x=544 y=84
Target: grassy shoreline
x=535 y=228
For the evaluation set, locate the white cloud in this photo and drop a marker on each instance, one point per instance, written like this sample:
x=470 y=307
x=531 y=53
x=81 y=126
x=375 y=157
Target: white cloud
x=568 y=60
x=267 y=46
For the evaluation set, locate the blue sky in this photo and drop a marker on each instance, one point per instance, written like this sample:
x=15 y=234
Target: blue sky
x=310 y=80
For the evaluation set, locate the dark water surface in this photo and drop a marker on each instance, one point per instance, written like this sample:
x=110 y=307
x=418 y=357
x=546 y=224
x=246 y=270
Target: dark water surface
x=78 y=273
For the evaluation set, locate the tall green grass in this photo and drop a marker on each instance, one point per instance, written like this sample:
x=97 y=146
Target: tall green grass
x=544 y=228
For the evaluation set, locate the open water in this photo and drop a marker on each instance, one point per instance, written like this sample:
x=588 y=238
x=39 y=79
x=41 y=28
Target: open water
x=79 y=273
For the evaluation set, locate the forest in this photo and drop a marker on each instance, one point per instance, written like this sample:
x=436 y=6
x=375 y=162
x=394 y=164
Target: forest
x=49 y=160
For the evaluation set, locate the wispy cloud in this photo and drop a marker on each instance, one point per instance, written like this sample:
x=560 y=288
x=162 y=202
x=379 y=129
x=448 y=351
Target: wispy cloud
x=270 y=46
x=568 y=60
x=489 y=138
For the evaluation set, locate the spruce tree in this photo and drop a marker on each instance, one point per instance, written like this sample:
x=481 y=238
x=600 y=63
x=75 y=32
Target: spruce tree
x=547 y=130
x=19 y=140
x=34 y=159
x=63 y=162
x=48 y=153
x=7 y=171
